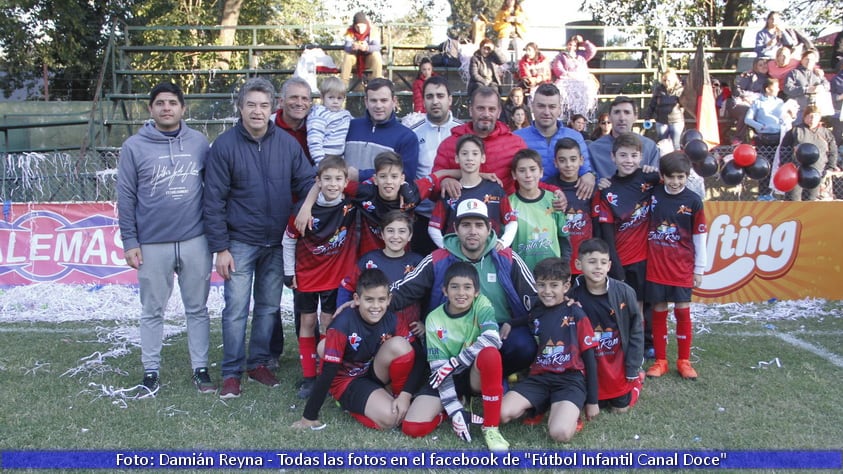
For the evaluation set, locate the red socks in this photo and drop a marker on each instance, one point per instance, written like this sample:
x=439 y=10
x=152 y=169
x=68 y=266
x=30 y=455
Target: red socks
x=419 y=429
x=399 y=371
x=660 y=334
x=307 y=356
x=684 y=332
x=491 y=385
x=365 y=421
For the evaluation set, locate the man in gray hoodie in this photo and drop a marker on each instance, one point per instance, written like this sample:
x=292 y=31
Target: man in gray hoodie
x=159 y=202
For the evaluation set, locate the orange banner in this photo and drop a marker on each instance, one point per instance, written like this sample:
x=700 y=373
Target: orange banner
x=763 y=250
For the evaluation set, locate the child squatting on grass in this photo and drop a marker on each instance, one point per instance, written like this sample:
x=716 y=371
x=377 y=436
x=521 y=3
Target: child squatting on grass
x=369 y=371
x=563 y=376
x=462 y=349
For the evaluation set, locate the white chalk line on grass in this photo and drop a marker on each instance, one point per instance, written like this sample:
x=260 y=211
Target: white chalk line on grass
x=818 y=351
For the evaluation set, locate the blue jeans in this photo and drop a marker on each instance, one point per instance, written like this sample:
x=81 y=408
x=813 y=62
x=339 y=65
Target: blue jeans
x=672 y=130
x=265 y=264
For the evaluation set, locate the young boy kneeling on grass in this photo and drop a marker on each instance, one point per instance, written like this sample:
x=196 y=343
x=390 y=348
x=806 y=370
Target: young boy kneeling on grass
x=565 y=341
x=462 y=349
x=618 y=327
x=361 y=357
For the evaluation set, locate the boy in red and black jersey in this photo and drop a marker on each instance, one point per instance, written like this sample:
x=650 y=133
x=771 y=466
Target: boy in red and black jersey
x=564 y=373
x=623 y=211
x=579 y=222
x=618 y=327
x=361 y=357
x=328 y=246
x=677 y=247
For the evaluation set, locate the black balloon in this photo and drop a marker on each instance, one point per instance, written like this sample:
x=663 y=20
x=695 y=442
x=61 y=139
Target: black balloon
x=807 y=154
x=758 y=170
x=690 y=134
x=809 y=178
x=696 y=150
x=731 y=174
x=707 y=167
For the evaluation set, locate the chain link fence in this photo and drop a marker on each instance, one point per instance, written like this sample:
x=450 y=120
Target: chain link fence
x=63 y=176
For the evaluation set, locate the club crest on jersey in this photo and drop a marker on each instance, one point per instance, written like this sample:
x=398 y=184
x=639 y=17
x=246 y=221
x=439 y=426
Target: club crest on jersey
x=370 y=264
x=408 y=268
x=612 y=198
x=369 y=206
x=385 y=337
x=442 y=334
x=354 y=340
x=684 y=210
x=316 y=223
x=645 y=187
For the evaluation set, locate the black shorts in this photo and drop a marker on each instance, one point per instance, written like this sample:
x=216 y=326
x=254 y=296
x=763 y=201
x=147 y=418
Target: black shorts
x=543 y=390
x=308 y=302
x=635 y=275
x=462 y=383
x=658 y=293
x=617 y=402
x=357 y=393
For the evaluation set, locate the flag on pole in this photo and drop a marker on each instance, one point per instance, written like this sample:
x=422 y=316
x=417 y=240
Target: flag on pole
x=698 y=98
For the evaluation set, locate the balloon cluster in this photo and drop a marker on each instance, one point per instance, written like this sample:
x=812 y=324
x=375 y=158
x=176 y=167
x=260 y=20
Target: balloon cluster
x=704 y=163
x=806 y=176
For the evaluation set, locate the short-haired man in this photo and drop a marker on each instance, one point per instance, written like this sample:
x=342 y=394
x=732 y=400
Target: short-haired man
x=504 y=278
x=500 y=143
x=379 y=130
x=431 y=131
x=547 y=129
x=254 y=169
x=622 y=113
x=159 y=202
x=294 y=105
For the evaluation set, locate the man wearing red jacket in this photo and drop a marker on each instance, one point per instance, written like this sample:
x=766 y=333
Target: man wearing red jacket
x=501 y=144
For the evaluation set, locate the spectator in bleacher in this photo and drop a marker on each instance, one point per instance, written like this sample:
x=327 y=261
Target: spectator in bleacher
x=499 y=141
x=511 y=26
x=767 y=115
x=803 y=83
x=570 y=73
x=547 y=129
x=425 y=71
x=362 y=48
x=578 y=122
x=780 y=67
x=665 y=108
x=533 y=68
x=295 y=105
x=327 y=123
x=622 y=113
x=811 y=130
x=837 y=50
x=775 y=35
x=836 y=86
x=159 y=203
x=431 y=131
x=749 y=86
x=253 y=173
x=518 y=118
x=379 y=130
x=484 y=67
x=602 y=127
x=515 y=99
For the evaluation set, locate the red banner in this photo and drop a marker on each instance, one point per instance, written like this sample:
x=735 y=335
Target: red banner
x=756 y=250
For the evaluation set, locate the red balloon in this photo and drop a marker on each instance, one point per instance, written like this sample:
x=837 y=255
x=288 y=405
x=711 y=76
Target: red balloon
x=744 y=155
x=786 y=177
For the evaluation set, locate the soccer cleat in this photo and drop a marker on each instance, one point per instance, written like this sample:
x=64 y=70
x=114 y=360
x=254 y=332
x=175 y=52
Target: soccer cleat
x=230 y=388
x=532 y=420
x=658 y=368
x=580 y=424
x=494 y=439
x=686 y=371
x=263 y=375
x=150 y=381
x=202 y=381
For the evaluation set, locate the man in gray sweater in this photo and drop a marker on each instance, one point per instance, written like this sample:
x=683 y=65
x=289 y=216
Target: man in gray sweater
x=159 y=201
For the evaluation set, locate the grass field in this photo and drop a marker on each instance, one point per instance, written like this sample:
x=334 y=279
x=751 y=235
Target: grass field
x=55 y=395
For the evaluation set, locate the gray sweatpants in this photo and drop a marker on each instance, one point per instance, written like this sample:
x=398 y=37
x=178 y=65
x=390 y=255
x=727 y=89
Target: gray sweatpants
x=191 y=261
